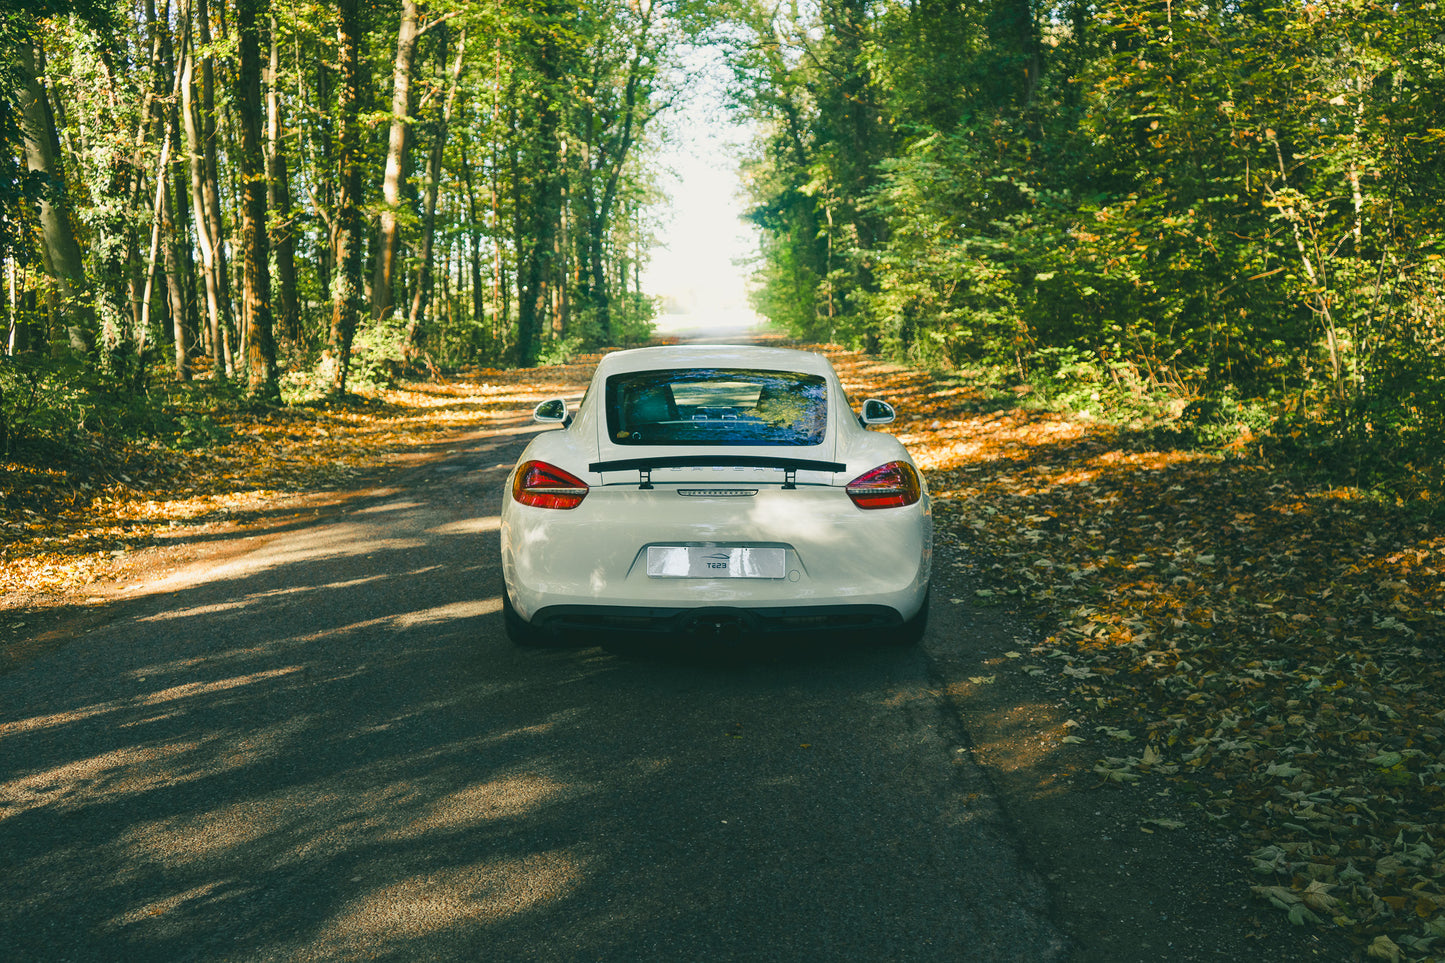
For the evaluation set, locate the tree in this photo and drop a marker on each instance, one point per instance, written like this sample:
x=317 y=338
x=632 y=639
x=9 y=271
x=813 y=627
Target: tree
x=617 y=103
x=255 y=247
x=63 y=260
x=278 y=198
x=200 y=129
x=537 y=169
x=397 y=162
x=346 y=285
x=426 y=255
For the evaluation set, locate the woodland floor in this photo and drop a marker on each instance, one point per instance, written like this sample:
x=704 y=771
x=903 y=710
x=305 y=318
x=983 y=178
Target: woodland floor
x=1205 y=650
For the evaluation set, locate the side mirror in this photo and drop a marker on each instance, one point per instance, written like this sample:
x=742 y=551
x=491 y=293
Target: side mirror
x=553 y=411
x=877 y=412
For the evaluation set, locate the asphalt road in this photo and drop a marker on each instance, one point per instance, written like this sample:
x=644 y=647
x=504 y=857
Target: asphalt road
x=319 y=745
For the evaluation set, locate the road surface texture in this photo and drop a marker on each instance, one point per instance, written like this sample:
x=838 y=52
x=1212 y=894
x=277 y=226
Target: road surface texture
x=316 y=743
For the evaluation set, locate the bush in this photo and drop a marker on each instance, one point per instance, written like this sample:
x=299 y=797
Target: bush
x=560 y=351
x=1222 y=418
x=39 y=399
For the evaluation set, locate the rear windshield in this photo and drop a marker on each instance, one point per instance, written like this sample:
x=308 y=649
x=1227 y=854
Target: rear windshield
x=716 y=406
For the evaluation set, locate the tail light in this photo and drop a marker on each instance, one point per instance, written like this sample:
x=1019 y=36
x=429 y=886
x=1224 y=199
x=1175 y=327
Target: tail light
x=541 y=485
x=893 y=485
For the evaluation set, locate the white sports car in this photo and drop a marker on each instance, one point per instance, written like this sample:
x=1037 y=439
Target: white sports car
x=720 y=491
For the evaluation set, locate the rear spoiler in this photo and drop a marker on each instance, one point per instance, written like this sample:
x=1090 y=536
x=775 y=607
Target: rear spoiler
x=644 y=466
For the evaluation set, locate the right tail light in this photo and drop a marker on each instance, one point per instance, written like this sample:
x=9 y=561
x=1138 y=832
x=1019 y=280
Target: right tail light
x=893 y=485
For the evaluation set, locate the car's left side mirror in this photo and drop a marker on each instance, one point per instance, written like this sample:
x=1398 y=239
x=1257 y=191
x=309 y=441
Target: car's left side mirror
x=877 y=412
x=553 y=411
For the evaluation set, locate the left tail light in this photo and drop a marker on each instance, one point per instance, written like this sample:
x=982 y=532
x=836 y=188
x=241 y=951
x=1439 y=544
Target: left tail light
x=541 y=485
x=893 y=485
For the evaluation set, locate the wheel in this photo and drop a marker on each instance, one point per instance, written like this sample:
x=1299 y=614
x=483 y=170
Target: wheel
x=519 y=630
x=911 y=632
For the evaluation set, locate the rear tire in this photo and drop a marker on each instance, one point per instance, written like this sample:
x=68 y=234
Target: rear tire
x=911 y=631
x=519 y=630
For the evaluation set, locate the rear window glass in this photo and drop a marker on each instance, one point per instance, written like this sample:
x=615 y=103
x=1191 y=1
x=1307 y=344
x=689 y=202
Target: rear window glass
x=714 y=406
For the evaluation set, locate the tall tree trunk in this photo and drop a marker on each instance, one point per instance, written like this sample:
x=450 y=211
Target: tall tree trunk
x=346 y=286
x=606 y=151
x=429 y=209
x=539 y=202
x=398 y=144
x=474 y=234
x=165 y=86
x=501 y=293
x=63 y=259
x=211 y=191
x=157 y=241
x=205 y=205
x=255 y=246
x=324 y=196
x=175 y=285
x=168 y=81
x=278 y=199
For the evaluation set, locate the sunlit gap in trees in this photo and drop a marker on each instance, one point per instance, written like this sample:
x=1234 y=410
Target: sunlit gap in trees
x=704 y=248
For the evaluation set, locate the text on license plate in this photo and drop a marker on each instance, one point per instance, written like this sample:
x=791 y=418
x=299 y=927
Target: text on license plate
x=718 y=561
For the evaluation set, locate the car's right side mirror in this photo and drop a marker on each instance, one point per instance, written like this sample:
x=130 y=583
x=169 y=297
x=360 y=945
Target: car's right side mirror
x=877 y=412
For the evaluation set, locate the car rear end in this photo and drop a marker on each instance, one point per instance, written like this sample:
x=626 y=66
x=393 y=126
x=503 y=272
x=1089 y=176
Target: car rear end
x=719 y=500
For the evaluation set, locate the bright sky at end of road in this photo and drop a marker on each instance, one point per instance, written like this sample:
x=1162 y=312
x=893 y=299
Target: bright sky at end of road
x=695 y=268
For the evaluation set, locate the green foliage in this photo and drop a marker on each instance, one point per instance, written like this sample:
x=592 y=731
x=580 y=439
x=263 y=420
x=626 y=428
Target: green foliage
x=1389 y=433
x=378 y=353
x=198 y=430
x=559 y=351
x=38 y=400
x=633 y=319
x=1083 y=382
x=61 y=406
x=948 y=282
x=1239 y=206
x=1221 y=419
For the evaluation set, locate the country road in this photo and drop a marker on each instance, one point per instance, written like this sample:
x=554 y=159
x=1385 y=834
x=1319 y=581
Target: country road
x=321 y=746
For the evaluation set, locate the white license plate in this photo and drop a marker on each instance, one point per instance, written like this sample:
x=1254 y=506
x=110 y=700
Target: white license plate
x=720 y=561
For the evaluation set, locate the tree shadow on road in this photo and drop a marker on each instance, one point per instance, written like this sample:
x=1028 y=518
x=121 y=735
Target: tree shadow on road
x=326 y=749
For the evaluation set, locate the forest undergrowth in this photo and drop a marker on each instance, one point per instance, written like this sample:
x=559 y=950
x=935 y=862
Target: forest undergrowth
x=1268 y=652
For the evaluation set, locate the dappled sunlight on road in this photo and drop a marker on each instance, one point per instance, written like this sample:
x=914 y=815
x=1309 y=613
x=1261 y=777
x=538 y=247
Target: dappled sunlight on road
x=470 y=526
x=186 y=690
x=507 y=797
x=397 y=506
x=320 y=542
x=448 y=613
x=214 y=608
x=393 y=919
x=332 y=751
x=83 y=782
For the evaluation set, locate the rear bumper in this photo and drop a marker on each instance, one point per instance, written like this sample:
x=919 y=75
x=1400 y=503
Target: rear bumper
x=715 y=622
x=594 y=558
